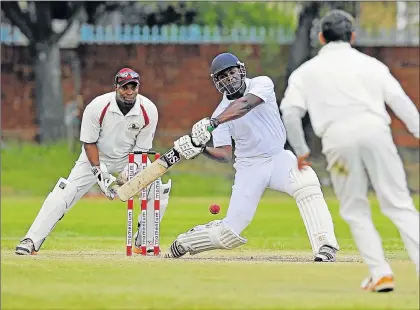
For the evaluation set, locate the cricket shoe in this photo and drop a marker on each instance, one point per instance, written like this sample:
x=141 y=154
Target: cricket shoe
x=25 y=247
x=384 y=284
x=175 y=250
x=137 y=247
x=150 y=250
x=326 y=254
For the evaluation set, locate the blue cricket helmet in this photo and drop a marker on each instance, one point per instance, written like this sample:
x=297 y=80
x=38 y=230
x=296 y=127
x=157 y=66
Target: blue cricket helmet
x=228 y=84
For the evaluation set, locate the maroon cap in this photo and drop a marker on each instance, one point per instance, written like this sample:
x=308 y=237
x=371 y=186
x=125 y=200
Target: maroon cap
x=126 y=75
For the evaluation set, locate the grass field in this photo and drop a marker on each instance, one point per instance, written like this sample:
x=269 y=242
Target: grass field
x=83 y=265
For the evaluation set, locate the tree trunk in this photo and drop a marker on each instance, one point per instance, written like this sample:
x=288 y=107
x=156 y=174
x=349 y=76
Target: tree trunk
x=48 y=92
x=300 y=52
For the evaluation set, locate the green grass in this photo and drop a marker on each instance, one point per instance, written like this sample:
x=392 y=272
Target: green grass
x=29 y=169
x=82 y=264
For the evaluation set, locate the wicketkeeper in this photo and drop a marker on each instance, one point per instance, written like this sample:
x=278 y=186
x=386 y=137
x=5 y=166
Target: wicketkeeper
x=113 y=125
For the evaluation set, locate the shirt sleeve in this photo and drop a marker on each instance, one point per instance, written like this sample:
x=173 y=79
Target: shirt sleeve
x=144 y=140
x=262 y=87
x=221 y=136
x=294 y=96
x=295 y=134
x=400 y=103
x=293 y=108
x=90 y=128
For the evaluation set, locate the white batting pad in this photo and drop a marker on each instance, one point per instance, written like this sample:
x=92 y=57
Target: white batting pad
x=53 y=209
x=214 y=235
x=313 y=209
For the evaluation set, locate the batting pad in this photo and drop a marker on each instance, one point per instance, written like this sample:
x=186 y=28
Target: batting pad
x=317 y=218
x=214 y=235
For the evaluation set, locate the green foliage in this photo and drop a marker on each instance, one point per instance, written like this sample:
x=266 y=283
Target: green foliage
x=273 y=16
x=234 y=14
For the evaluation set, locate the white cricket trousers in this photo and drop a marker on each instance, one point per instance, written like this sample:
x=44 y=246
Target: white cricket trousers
x=254 y=175
x=374 y=156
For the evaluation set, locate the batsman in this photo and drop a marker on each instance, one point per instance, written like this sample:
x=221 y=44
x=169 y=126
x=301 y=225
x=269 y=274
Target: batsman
x=249 y=114
x=113 y=125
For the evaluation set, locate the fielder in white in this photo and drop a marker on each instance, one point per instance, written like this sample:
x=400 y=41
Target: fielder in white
x=113 y=125
x=345 y=92
x=249 y=114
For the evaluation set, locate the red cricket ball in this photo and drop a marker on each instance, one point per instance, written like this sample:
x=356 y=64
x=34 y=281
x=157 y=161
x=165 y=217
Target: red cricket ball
x=214 y=209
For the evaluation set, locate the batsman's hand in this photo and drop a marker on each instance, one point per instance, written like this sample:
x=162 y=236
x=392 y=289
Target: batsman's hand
x=200 y=133
x=186 y=148
x=104 y=180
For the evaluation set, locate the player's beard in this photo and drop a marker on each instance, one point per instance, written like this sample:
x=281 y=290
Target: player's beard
x=125 y=102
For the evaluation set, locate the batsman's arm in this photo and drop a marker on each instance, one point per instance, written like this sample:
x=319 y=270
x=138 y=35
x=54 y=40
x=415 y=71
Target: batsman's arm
x=260 y=90
x=222 y=154
x=239 y=108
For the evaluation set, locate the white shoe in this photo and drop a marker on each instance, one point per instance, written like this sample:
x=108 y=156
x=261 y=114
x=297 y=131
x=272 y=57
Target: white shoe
x=384 y=284
x=26 y=247
x=326 y=254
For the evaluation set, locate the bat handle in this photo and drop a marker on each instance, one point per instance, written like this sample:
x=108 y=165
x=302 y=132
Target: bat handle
x=213 y=124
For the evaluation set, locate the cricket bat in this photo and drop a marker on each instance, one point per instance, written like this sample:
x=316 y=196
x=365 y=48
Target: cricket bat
x=146 y=177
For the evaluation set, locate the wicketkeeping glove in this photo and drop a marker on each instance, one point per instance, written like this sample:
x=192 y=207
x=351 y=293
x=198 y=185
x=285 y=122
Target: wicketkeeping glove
x=123 y=177
x=104 y=180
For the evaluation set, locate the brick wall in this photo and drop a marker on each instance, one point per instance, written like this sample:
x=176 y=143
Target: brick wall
x=175 y=77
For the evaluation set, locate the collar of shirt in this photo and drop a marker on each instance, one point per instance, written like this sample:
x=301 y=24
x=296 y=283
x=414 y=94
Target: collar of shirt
x=334 y=46
x=135 y=110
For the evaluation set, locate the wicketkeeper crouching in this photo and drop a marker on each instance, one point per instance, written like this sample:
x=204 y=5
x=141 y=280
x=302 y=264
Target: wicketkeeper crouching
x=113 y=125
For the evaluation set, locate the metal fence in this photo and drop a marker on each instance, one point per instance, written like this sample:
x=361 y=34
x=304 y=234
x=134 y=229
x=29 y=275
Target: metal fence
x=195 y=34
x=373 y=29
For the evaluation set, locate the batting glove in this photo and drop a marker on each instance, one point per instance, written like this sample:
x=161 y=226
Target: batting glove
x=200 y=133
x=186 y=148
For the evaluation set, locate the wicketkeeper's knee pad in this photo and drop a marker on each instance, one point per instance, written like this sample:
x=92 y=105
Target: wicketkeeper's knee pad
x=53 y=209
x=214 y=235
x=165 y=189
x=307 y=192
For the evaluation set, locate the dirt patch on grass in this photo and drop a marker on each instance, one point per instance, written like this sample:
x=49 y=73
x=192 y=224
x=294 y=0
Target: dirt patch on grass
x=215 y=256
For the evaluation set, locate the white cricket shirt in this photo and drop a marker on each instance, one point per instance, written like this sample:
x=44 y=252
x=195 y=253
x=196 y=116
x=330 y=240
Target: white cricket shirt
x=344 y=92
x=260 y=132
x=115 y=134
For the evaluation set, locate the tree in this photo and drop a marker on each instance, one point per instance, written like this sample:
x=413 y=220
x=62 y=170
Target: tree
x=269 y=15
x=305 y=47
x=35 y=22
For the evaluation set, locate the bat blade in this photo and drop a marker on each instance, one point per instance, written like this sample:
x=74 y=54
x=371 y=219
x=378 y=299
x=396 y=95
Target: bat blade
x=148 y=175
